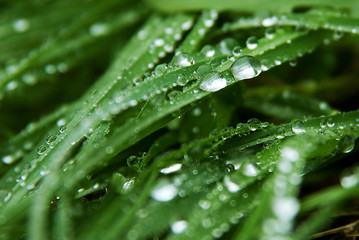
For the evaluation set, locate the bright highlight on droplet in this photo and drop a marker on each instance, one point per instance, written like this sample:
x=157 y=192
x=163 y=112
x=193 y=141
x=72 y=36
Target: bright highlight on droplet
x=213 y=82
x=179 y=227
x=164 y=191
x=246 y=67
x=171 y=169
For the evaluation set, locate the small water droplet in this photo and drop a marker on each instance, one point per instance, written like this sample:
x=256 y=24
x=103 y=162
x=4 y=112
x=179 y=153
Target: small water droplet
x=183 y=60
x=7 y=197
x=285 y=208
x=298 y=127
x=246 y=67
x=29 y=79
x=50 y=139
x=160 y=69
x=50 y=69
x=252 y=42
x=132 y=161
x=179 y=227
x=213 y=82
x=41 y=149
x=293 y=62
x=172 y=168
x=12 y=85
x=21 y=25
x=269 y=33
x=231 y=186
x=330 y=122
x=98 y=29
x=269 y=21
x=8 y=159
x=159 y=42
x=280 y=133
x=186 y=25
x=349 y=181
x=204 y=204
x=237 y=50
x=226 y=46
x=164 y=191
x=250 y=170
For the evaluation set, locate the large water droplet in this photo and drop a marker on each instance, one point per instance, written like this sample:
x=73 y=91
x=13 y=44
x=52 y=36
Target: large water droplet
x=346 y=144
x=269 y=33
x=298 y=127
x=246 y=67
x=212 y=82
x=164 y=191
x=8 y=159
x=179 y=227
x=250 y=170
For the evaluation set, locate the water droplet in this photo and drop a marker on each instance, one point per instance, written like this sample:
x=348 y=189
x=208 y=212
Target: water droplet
x=50 y=69
x=7 y=197
x=237 y=50
x=41 y=149
x=330 y=122
x=250 y=170
x=98 y=29
x=293 y=62
x=253 y=123
x=186 y=25
x=12 y=85
x=204 y=204
x=197 y=112
x=62 y=67
x=252 y=42
x=285 y=208
x=160 y=69
x=179 y=227
x=50 y=139
x=246 y=67
x=21 y=25
x=269 y=21
x=8 y=159
x=159 y=42
x=346 y=144
x=337 y=35
x=132 y=161
x=213 y=82
x=231 y=186
x=29 y=79
x=164 y=191
x=183 y=60
x=280 y=133
x=349 y=181
x=226 y=46
x=298 y=127
x=291 y=154
x=62 y=128
x=269 y=33
x=172 y=168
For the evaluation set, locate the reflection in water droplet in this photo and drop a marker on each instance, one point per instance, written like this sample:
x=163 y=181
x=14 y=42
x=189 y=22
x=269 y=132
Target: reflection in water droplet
x=252 y=42
x=212 y=82
x=21 y=25
x=349 y=181
x=298 y=127
x=285 y=208
x=41 y=149
x=171 y=169
x=346 y=144
x=246 y=67
x=179 y=227
x=269 y=33
x=183 y=60
x=164 y=191
x=231 y=186
x=250 y=170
